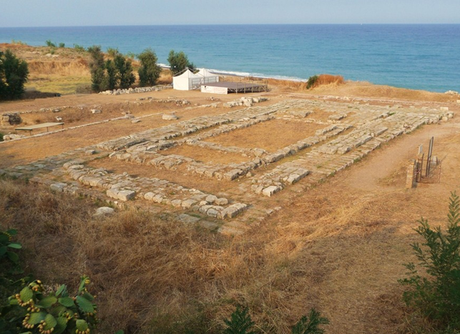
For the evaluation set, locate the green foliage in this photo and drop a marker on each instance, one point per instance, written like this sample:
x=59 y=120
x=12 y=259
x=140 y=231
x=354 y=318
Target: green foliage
x=18 y=42
x=56 y=312
x=13 y=76
x=124 y=67
x=312 y=81
x=110 y=80
x=310 y=324
x=239 y=323
x=50 y=44
x=178 y=62
x=96 y=67
x=435 y=293
x=9 y=277
x=131 y=55
x=112 y=52
x=78 y=48
x=149 y=72
x=1 y=136
x=62 y=45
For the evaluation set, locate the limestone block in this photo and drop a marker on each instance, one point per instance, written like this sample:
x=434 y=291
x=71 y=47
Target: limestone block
x=205 y=208
x=187 y=218
x=104 y=210
x=59 y=187
x=169 y=117
x=270 y=191
x=221 y=201
x=212 y=212
x=211 y=199
x=157 y=198
x=233 y=210
x=231 y=175
x=177 y=203
x=149 y=196
x=188 y=203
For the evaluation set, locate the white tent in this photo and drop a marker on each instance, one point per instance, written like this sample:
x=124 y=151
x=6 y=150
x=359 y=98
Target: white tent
x=187 y=81
x=207 y=77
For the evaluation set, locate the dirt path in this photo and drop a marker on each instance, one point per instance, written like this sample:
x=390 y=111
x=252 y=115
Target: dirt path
x=383 y=164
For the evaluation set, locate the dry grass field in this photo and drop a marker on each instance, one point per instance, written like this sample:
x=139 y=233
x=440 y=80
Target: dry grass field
x=338 y=245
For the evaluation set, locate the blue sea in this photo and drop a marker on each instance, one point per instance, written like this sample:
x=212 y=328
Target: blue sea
x=412 y=56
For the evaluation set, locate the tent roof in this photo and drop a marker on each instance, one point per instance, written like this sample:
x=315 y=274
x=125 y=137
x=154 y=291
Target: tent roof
x=205 y=73
x=188 y=74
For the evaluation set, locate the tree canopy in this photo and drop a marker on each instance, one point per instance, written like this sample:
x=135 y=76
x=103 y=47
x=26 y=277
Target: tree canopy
x=13 y=75
x=178 y=62
x=149 y=72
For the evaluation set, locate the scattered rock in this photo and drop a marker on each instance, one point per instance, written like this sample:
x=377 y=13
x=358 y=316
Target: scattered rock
x=169 y=117
x=104 y=210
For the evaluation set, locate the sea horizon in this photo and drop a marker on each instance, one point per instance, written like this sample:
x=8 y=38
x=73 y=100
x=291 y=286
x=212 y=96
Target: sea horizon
x=408 y=55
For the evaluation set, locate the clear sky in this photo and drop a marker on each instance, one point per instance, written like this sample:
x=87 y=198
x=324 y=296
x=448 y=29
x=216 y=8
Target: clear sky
x=34 y=13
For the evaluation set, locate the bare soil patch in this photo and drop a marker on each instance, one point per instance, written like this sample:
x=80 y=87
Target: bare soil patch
x=179 y=175
x=270 y=135
x=206 y=155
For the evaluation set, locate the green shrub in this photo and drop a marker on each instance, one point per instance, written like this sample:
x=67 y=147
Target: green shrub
x=96 y=67
x=1 y=136
x=110 y=79
x=50 y=44
x=178 y=62
x=149 y=71
x=10 y=278
x=13 y=75
x=78 y=48
x=310 y=324
x=435 y=292
x=124 y=67
x=312 y=81
x=62 y=45
x=47 y=311
x=112 y=52
x=239 y=323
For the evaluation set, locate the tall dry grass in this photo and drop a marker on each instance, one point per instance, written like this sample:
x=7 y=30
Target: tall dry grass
x=152 y=274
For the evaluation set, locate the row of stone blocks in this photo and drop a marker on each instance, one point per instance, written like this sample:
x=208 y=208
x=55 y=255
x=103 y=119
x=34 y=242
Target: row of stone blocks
x=124 y=188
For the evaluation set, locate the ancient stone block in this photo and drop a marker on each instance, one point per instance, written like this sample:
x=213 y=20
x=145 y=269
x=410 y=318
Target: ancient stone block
x=270 y=191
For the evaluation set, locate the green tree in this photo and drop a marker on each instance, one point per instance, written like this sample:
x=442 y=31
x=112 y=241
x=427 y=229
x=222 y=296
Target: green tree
x=125 y=76
x=178 y=62
x=110 y=80
x=149 y=72
x=96 y=66
x=13 y=75
x=435 y=292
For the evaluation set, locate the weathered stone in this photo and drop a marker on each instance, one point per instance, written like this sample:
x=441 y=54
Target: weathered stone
x=149 y=196
x=211 y=199
x=176 y=203
x=122 y=195
x=188 y=203
x=105 y=210
x=169 y=117
x=233 y=210
x=270 y=191
x=221 y=201
x=184 y=218
x=59 y=187
x=212 y=212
